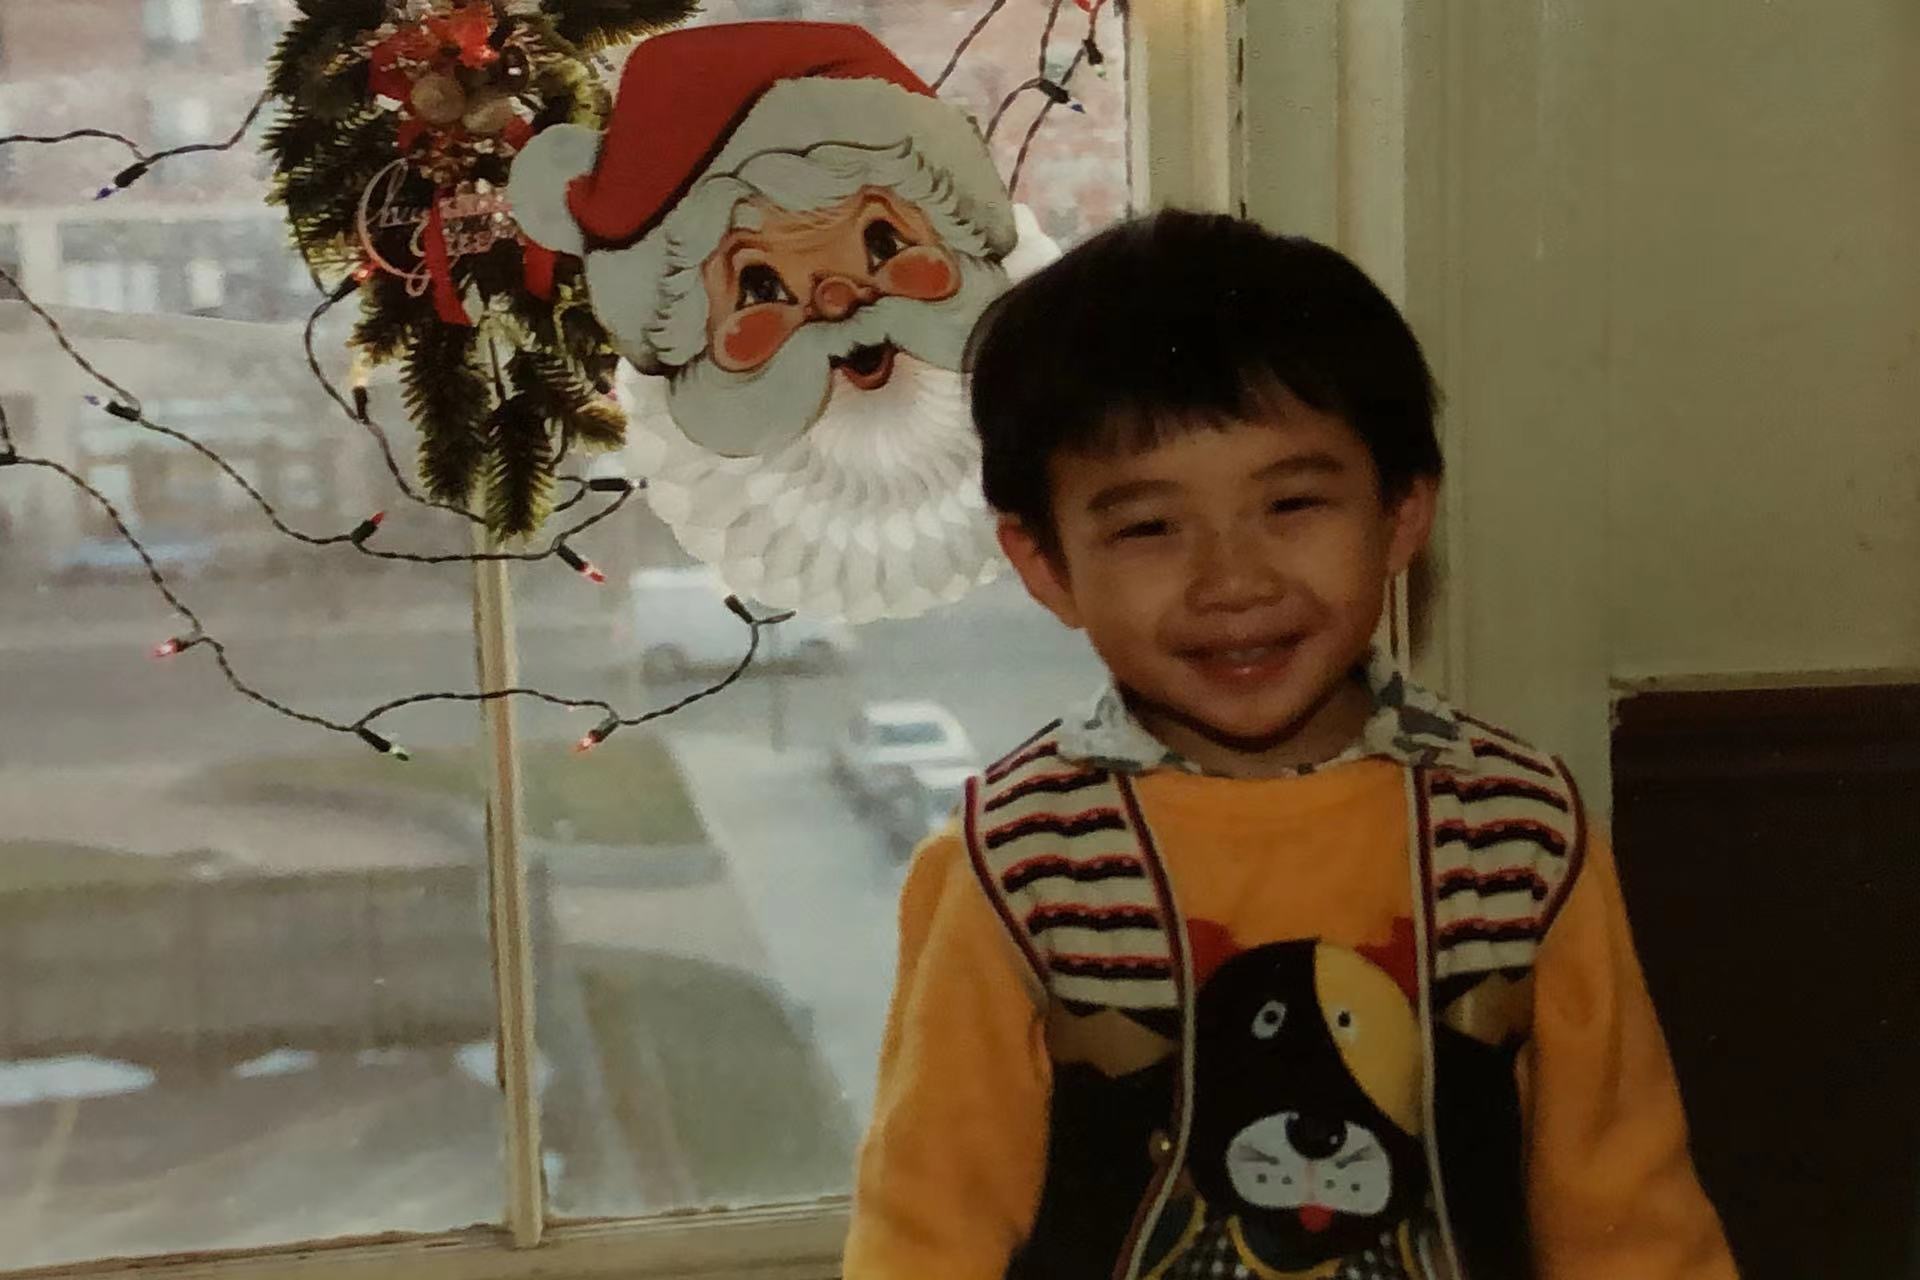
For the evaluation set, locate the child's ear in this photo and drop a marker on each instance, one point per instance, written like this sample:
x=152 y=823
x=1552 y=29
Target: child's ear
x=1041 y=570
x=1412 y=517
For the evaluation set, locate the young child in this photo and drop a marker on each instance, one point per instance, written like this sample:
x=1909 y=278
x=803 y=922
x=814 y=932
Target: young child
x=1268 y=963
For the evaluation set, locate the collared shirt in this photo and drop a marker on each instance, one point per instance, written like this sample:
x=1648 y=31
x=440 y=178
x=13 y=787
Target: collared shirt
x=1409 y=724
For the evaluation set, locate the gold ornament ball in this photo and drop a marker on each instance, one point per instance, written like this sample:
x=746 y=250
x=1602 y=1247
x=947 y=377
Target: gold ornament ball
x=438 y=99
x=489 y=115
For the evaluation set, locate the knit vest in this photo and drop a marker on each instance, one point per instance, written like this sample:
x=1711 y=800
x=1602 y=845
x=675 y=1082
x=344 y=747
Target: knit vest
x=1072 y=870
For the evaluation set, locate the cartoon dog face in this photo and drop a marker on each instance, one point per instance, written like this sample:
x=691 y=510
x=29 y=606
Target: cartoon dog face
x=1307 y=1100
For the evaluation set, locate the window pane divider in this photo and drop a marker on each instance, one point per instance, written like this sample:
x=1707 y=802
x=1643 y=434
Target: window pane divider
x=509 y=909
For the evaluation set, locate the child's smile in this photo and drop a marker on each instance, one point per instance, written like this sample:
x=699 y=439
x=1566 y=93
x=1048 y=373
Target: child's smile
x=1231 y=578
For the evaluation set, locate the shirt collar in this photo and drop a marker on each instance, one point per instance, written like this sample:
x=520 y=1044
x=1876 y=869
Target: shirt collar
x=1409 y=724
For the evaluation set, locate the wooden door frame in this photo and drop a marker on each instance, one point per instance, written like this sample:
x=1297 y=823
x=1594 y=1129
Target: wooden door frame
x=1458 y=151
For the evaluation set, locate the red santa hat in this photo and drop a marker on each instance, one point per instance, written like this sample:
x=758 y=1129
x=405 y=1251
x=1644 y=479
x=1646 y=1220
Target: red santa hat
x=703 y=100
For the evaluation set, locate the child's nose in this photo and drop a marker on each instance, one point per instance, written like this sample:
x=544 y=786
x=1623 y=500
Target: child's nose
x=1232 y=572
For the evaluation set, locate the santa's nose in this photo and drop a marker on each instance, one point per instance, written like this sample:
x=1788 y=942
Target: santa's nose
x=837 y=297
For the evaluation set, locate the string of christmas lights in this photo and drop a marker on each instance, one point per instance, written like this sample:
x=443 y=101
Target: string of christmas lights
x=197 y=635
x=126 y=406
x=966 y=42
x=1087 y=54
x=122 y=403
x=143 y=160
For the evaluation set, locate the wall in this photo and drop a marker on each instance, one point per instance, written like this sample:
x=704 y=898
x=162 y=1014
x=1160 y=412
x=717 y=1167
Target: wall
x=1763 y=458
x=1662 y=260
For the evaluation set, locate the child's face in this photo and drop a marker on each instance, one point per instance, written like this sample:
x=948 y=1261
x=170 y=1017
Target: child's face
x=1230 y=580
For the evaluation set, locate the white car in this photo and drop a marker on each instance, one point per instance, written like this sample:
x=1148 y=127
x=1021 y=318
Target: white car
x=678 y=623
x=923 y=802
x=886 y=741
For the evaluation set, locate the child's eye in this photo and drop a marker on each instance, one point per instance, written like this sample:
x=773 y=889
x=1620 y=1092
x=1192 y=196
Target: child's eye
x=1285 y=506
x=1144 y=529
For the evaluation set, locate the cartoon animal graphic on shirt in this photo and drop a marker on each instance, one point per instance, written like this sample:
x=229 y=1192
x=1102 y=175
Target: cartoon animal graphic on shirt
x=1305 y=1149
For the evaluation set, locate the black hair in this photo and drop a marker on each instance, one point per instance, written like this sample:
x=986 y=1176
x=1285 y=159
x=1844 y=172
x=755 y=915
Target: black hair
x=1179 y=320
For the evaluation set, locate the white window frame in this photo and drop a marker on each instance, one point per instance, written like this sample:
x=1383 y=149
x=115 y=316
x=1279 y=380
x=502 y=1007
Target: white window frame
x=1185 y=123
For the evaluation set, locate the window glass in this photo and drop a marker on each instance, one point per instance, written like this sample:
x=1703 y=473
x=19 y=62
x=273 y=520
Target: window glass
x=244 y=987
x=727 y=891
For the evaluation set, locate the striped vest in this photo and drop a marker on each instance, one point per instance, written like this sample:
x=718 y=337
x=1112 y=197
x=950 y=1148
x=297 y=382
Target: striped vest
x=1067 y=860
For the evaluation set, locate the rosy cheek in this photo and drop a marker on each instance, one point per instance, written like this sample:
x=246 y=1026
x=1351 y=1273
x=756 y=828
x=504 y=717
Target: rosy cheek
x=749 y=338
x=924 y=273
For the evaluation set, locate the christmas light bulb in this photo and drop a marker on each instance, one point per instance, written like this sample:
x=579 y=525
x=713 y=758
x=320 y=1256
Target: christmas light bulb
x=124 y=179
x=382 y=745
x=357 y=375
x=597 y=735
x=579 y=563
x=119 y=410
x=366 y=528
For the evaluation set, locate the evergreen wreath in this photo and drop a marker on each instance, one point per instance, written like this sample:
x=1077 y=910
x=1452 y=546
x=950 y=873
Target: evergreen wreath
x=398 y=122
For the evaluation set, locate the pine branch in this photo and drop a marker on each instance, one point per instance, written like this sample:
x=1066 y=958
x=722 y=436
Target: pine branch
x=357 y=148
x=386 y=318
x=599 y=427
x=296 y=57
x=520 y=479
x=449 y=398
x=594 y=25
x=310 y=44
x=295 y=139
x=582 y=333
x=568 y=400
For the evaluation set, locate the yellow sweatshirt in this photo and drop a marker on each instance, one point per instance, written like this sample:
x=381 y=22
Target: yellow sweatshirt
x=951 y=1171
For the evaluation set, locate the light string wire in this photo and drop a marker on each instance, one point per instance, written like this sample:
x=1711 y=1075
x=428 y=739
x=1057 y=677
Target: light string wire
x=127 y=406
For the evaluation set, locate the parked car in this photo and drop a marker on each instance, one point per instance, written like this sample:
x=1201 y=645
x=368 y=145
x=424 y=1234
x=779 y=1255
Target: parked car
x=885 y=741
x=922 y=801
x=678 y=623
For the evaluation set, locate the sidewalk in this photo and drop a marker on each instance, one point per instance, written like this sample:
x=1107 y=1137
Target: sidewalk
x=820 y=886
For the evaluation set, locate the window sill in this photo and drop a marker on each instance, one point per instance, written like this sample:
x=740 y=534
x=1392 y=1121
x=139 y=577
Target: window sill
x=799 y=1243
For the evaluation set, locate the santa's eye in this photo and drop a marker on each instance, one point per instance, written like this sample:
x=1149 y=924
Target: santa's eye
x=760 y=284
x=884 y=243
x=1266 y=1023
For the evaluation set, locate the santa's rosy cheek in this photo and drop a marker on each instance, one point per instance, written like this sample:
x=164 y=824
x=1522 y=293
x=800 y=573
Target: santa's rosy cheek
x=925 y=273
x=749 y=338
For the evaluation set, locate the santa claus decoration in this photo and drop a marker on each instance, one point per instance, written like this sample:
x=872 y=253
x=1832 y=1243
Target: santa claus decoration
x=791 y=237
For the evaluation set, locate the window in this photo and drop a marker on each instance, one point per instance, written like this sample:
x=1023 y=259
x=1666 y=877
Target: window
x=178 y=119
x=240 y=268
x=206 y=284
x=172 y=23
x=249 y=1002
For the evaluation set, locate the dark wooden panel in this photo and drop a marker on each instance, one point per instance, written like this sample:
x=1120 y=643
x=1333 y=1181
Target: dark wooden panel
x=1769 y=841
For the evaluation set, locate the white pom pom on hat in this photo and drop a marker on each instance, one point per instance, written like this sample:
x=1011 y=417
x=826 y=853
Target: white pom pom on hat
x=543 y=173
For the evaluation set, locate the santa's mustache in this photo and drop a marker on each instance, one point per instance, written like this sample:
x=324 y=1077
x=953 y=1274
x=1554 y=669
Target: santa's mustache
x=742 y=414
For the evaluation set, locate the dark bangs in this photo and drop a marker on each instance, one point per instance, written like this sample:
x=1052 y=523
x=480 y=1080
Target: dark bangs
x=1184 y=321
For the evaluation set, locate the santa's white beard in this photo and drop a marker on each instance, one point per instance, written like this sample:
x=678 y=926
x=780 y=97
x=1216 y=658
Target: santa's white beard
x=874 y=512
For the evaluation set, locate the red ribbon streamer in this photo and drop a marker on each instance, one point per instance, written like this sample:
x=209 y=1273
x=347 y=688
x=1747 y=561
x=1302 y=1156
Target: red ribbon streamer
x=538 y=262
x=446 y=298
